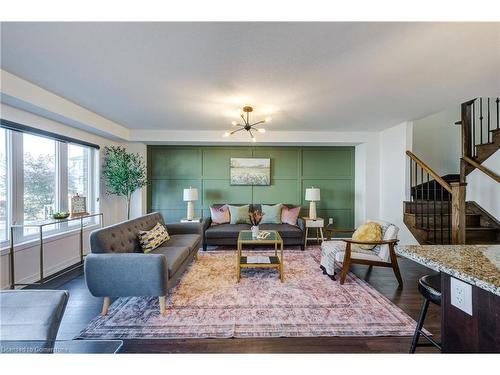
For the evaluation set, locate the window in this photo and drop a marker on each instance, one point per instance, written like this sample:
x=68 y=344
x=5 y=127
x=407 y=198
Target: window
x=79 y=177
x=3 y=185
x=78 y=171
x=43 y=174
x=39 y=170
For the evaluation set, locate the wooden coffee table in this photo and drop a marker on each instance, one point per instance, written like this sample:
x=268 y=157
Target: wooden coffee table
x=274 y=238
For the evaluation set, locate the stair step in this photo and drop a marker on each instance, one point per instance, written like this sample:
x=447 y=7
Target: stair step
x=471 y=220
x=472 y=235
x=426 y=202
x=446 y=229
x=427 y=207
x=446 y=241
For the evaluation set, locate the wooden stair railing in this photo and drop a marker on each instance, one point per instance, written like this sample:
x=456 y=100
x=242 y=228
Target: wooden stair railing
x=438 y=206
x=480 y=122
x=482 y=168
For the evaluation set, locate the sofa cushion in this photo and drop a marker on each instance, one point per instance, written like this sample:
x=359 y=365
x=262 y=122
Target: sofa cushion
x=272 y=214
x=285 y=230
x=239 y=214
x=226 y=230
x=289 y=215
x=220 y=214
x=151 y=239
x=175 y=255
x=122 y=237
x=181 y=240
x=368 y=232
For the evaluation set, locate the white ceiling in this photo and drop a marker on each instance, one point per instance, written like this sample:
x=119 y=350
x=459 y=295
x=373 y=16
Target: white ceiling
x=309 y=76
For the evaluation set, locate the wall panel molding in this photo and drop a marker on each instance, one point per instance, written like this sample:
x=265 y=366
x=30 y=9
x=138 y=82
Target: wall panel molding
x=293 y=169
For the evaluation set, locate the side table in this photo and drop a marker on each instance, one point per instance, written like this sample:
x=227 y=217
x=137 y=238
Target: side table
x=317 y=223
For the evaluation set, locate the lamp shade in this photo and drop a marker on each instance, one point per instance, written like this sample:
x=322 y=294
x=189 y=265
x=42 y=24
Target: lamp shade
x=312 y=194
x=190 y=194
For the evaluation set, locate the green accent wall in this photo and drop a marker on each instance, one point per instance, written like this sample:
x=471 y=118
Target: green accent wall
x=293 y=169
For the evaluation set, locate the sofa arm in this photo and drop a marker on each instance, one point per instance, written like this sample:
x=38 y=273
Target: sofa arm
x=206 y=223
x=126 y=275
x=302 y=225
x=185 y=228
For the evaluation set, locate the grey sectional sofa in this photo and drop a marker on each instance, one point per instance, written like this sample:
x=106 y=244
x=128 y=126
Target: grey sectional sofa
x=227 y=234
x=117 y=267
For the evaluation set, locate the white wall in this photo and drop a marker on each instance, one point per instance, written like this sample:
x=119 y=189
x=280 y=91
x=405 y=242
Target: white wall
x=437 y=141
x=25 y=95
x=393 y=177
x=62 y=250
x=484 y=190
x=138 y=206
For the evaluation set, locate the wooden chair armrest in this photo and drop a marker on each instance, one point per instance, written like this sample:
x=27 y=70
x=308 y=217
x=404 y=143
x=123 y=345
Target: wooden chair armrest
x=331 y=231
x=383 y=242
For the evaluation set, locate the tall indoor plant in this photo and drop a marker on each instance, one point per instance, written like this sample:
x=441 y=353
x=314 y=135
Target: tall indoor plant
x=123 y=173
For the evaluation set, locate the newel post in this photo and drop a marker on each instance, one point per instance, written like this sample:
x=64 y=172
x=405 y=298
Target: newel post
x=458 y=213
x=466 y=120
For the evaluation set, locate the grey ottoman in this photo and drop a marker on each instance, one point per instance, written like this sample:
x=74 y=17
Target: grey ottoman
x=31 y=314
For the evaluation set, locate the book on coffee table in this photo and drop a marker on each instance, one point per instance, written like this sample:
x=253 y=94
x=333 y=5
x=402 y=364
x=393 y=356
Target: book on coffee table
x=258 y=259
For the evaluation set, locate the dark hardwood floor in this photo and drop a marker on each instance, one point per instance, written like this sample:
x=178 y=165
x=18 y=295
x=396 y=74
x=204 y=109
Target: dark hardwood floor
x=82 y=307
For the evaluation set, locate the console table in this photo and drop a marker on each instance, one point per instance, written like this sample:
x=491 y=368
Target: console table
x=40 y=225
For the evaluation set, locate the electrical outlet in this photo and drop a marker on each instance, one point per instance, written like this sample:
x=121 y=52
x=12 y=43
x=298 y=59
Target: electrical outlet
x=461 y=295
x=330 y=220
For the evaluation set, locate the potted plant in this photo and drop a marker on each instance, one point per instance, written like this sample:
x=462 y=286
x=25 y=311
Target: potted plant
x=123 y=173
x=255 y=219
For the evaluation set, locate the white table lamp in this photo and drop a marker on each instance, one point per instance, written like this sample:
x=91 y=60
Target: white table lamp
x=312 y=195
x=190 y=196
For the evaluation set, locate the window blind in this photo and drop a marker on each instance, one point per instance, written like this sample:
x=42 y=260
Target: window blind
x=10 y=125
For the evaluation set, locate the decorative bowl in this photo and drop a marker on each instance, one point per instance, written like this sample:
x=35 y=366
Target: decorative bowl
x=60 y=215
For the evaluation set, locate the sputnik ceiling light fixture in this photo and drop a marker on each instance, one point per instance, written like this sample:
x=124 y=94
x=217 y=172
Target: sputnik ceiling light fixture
x=250 y=128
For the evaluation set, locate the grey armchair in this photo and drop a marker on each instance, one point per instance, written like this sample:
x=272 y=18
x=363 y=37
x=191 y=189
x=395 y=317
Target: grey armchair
x=117 y=267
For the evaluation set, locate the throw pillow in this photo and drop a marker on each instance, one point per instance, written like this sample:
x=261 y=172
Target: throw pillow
x=272 y=214
x=290 y=215
x=151 y=239
x=239 y=214
x=220 y=215
x=369 y=231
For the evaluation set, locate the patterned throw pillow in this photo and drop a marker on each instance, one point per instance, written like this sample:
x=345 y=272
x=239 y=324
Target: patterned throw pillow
x=220 y=215
x=368 y=232
x=151 y=239
x=239 y=214
x=290 y=215
x=272 y=214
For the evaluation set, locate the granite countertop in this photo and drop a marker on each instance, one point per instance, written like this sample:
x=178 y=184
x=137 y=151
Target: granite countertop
x=478 y=265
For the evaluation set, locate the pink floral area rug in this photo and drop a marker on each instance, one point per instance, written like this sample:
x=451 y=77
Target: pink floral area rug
x=209 y=303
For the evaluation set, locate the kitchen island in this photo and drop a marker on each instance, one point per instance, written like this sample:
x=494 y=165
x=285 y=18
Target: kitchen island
x=470 y=287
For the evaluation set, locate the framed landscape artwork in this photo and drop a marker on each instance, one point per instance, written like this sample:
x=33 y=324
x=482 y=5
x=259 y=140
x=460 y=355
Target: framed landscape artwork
x=250 y=171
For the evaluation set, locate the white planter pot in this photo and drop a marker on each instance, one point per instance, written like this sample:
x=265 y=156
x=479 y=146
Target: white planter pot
x=255 y=231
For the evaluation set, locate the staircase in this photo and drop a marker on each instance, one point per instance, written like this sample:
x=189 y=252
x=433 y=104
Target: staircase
x=429 y=221
x=437 y=212
x=480 y=130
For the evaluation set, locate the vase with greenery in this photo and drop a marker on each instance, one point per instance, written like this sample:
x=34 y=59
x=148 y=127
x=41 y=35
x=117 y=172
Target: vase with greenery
x=123 y=173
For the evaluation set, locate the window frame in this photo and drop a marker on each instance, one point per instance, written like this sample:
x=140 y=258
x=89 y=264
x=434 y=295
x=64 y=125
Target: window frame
x=15 y=184
x=8 y=188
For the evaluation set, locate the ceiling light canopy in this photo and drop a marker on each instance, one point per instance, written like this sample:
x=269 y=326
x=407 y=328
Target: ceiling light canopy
x=246 y=125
